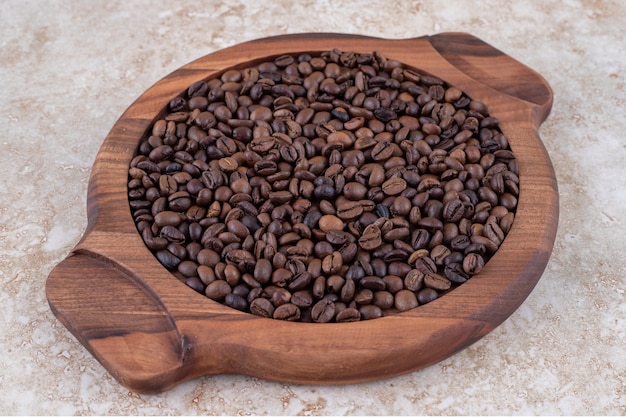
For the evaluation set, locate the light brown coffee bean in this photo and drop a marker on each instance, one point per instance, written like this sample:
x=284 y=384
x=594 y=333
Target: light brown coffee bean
x=394 y=186
x=330 y=222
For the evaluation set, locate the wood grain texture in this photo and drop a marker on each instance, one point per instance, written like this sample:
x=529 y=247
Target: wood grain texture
x=151 y=332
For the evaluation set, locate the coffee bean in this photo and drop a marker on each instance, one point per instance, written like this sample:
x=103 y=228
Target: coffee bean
x=373 y=283
x=383 y=299
x=437 y=282
x=405 y=300
x=217 y=290
x=332 y=263
x=323 y=311
x=329 y=223
x=236 y=301
x=354 y=191
x=394 y=186
x=370 y=311
x=473 y=263
x=349 y=210
x=348 y=315
x=414 y=280
x=427 y=295
x=262 y=307
x=371 y=238
x=288 y=312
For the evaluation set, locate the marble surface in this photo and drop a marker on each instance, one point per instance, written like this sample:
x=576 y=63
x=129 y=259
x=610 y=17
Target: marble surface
x=68 y=69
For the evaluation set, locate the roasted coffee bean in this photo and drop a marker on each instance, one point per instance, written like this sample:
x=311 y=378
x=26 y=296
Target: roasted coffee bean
x=455 y=273
x=414 y=280
x=370 y=311
x=348 y=315
x=405 y=300
x=394 y=186
x=288 y=312
x=371 y=238
x=349 y=210
x=332 y=263
x=473 y=263
x=427 y=295
x=236 y=301
x=280 y=296
x=323 y=311
x=343 y=178
x=302 y=299
x=373 y=283
x=437 y=282
x=263 y=307
x=300 y=281
x=195 y=283
x=383 y=299
x=217 y=290
x=453 y=211
x=330 y=222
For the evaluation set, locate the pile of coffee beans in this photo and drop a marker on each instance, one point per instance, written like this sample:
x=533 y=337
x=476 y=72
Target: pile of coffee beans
x=330 y=187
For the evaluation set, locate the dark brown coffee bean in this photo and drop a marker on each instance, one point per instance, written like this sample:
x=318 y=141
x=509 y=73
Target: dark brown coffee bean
x=455 y=273
x=364 y=296
x=217 y=290
x=414 y=280
x=383 y=299
x=494 y=233
x=439 y=254
x=348 y=252
x=348 y=315
x=236 y=301
x=453 y=210
x=263 y=307
x=427 y=295
x=288 y=312
x=195 y=283
x=437 y=282
x=349 y=210
x=405 y=300
x=281 y=277
x=373 y=283
x=280 y=296
x=319 y=286
x=354 y=191
x=473 y=263
x=263 y=271
x=300 y=281
x=302 y=299
x=323 y=311
x=370 y=311
x=167 y=218
x=382 y=151
x=371 y=238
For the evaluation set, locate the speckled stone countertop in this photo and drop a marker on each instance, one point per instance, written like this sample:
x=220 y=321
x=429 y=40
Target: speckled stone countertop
x=68 y=69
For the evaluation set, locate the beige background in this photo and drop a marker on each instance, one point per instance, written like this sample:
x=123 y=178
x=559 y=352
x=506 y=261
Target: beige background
x=68 y=69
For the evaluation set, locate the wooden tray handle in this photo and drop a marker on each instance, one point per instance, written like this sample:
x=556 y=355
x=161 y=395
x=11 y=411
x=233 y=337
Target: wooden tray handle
x=118 y=321
x=492 y=67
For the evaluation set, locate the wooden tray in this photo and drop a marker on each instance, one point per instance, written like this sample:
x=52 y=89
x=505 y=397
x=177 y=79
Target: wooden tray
x=152 y=332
